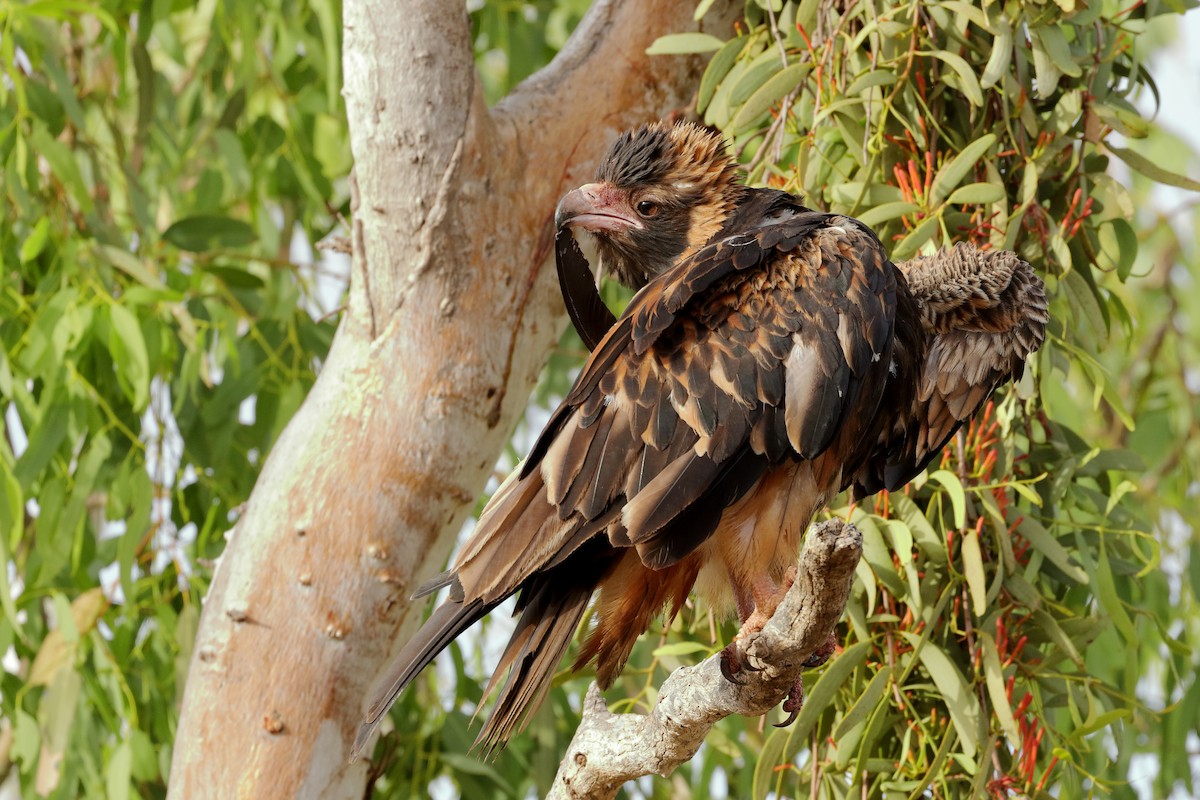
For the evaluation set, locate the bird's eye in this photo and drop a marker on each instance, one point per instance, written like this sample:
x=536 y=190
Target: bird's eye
x=647 y=208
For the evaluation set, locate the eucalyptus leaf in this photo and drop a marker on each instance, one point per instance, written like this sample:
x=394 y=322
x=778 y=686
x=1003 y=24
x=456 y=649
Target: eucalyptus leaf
x=209 y=232
x=684 y=43
x=960 y=700
x=768 y=95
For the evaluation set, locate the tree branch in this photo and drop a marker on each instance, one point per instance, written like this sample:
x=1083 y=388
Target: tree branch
x=609 y=749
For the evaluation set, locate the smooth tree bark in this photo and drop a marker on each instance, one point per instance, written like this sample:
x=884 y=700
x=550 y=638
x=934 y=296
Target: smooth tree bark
x=452 y=310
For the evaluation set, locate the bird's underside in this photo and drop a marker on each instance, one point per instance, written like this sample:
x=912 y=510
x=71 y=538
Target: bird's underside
x=764 y=368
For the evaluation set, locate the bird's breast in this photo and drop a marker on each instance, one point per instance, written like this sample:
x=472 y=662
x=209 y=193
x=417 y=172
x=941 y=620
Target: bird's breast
x=760 y=533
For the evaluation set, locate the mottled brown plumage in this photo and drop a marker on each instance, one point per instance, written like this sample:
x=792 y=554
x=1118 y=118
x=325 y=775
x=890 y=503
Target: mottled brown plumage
x=773 y=357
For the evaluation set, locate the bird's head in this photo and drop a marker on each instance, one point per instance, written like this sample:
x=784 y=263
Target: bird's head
x=662 y=191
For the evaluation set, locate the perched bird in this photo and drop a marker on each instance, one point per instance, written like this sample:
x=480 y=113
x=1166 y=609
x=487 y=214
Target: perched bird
x=773 y=357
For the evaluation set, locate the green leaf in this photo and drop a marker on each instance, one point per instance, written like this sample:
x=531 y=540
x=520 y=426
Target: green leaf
x=469 y=765
x=12 y=509
x=951 y=175
x=902 y=539
x=878 y=215
x=1083 y=302
x=67 y=9
x=912 y=243
x=137 y=523
x=1118 y=246
x=130 y=264
x=35 y=242
x=44 y=441
x=1107 y=590
x=869 y=80
x=1126 y=122
x=209 y=232
x=926 y=538
x=866 y=702
x=877 y=554
x=972 y=557
x=1123 y=488
x=960 y=700
x=757 y=72
x=769 y=757
x=958 y=497
x=818 y=700
x=967 y=82
x=235 y=277
x=717 y=69
x=1151 y=170
x=680 y=649
x=1098 y=722
x=1056 y=634
x=1029 y=191
x=683 y=43
x=977 y=193
x=12 y=528
x=768 y=95
x=144 y=764
x=994 y=675
x=57 y=651
x=1048 y=546
x=57 y=711
x=128 y=348
x=1044 y=69
x=63 y=166
x=118 y=772
x=998 y=62
x=27 y=738
x=1023 y=489
x=1023 y=590
x=1058 y=50
x=872 y=194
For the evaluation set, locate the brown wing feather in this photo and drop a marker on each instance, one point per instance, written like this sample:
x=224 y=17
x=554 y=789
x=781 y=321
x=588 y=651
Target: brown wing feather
x=982 y=314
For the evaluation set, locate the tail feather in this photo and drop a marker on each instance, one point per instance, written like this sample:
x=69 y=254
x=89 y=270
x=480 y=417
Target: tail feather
x=448 y=621
x=552 y=603
x=543 y=634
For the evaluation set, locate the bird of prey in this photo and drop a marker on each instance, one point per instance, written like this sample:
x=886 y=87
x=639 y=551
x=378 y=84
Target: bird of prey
x=772 y=357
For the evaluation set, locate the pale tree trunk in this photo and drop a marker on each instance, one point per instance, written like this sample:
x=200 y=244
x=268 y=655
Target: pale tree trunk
x=451 y=313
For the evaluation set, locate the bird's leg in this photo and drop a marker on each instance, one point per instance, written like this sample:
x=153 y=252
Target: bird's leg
x=763 y=598
x=793 y=703
x=795 y=696
x=755 y=606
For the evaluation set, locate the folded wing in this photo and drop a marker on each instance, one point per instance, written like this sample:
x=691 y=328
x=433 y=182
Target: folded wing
x=981 y=314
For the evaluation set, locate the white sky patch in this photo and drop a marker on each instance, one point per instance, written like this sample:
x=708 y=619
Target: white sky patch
x=17 y=438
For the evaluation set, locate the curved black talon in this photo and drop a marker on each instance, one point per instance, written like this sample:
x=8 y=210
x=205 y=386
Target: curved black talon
x=793 y=703
x=729 y=669
x=822 y=653
x=731 y=665
x=791 y=718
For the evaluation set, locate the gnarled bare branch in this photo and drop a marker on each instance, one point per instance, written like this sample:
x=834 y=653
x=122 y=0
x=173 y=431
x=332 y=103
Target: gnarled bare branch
x=609 y=749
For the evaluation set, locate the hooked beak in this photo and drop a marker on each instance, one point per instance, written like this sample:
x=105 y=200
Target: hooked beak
x=595 y=207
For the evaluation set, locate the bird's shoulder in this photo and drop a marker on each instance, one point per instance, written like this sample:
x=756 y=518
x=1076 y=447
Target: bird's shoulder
x=771 y=246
